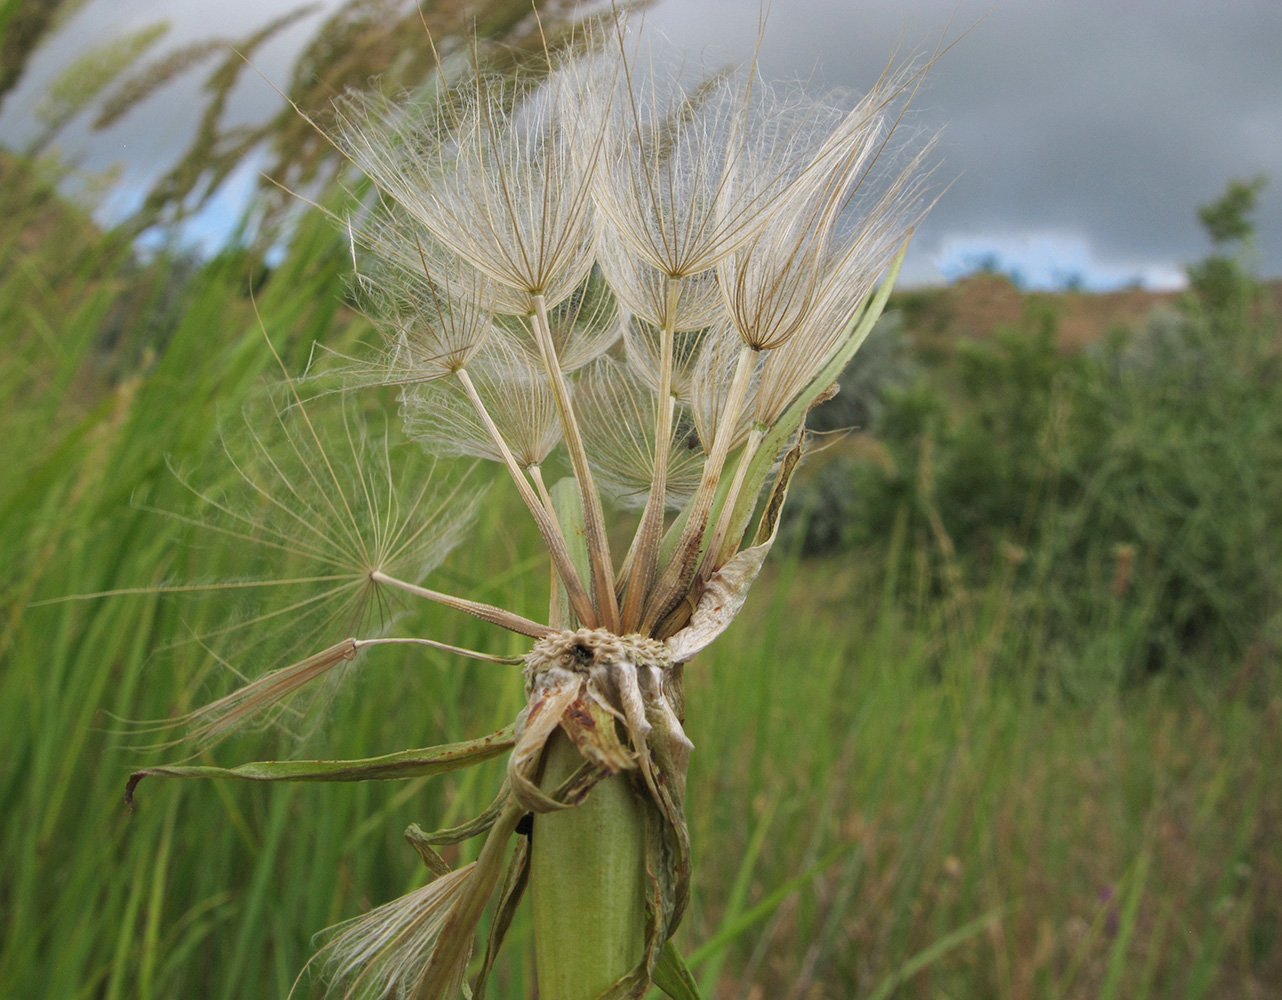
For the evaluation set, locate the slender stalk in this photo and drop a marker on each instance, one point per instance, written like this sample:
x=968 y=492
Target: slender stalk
x=681 y=567
x=607 y=604
x=587 y=883
x=444 y=647
x=650 y=530
x=784 y=425
x=548 y=526
x=536 y=474
x=720 y=547
x=621 y=578
x=558 y=604
x=486 y=612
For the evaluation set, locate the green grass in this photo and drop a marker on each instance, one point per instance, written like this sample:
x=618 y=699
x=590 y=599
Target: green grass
x=876 y=811
x=1127 y=848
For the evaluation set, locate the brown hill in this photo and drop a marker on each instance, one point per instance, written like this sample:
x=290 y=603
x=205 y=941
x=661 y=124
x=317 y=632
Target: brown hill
x=978 y=304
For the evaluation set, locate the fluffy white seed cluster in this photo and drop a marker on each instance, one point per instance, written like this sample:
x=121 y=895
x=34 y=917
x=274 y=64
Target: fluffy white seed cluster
x=601 y=265
x=634 y=270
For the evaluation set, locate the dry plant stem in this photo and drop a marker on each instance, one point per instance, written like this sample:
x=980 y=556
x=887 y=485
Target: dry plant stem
x=720 y=547
x=486 y=612
x=445 y=647
x=587 y=883
x=537 y=475
x=680 y=570
x=547 y=523
x=555 y=591
x=456 y=937
x=650 y=530
x=625 y=569
x=607 y=604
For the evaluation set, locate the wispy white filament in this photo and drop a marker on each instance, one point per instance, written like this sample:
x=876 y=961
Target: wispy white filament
x=384 y=953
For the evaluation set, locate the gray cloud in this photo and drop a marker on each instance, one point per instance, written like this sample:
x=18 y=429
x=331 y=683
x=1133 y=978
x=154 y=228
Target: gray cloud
x=1102 y=119
x=1100 y=124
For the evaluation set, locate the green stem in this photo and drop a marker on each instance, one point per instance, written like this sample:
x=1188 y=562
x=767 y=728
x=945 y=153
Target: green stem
x=587 y=883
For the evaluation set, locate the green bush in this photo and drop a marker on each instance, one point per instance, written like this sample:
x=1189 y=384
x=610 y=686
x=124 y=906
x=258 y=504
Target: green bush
x=1123 y=498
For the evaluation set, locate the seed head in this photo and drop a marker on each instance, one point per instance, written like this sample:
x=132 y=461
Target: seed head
x=650 y=277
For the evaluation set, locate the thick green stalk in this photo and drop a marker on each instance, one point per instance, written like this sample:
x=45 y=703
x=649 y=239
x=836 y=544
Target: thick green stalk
x=587 y=883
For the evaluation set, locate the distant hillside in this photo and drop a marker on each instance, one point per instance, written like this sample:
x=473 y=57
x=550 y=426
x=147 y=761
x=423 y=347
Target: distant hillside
x=980 y=303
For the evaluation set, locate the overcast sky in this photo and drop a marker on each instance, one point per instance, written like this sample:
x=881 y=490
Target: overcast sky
x=1079 y=135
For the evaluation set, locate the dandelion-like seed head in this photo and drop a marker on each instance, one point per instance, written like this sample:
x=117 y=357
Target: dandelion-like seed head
x=433 y=322
x=491 y=171
x=645 y=279
x=513 y=390
x=329 y=506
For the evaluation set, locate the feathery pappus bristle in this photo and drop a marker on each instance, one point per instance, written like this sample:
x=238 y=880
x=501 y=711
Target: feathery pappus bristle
x=383 y=953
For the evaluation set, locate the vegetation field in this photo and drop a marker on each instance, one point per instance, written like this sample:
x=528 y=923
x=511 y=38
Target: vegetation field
x=1015 y=735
